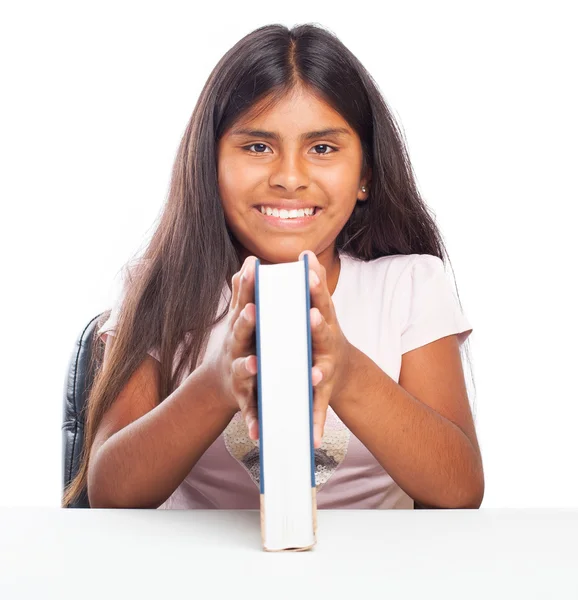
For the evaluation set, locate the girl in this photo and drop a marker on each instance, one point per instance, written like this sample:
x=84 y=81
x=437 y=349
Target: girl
x=290 y=149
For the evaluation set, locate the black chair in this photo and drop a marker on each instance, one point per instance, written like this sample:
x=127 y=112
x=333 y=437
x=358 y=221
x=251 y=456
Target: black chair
x=79 y=380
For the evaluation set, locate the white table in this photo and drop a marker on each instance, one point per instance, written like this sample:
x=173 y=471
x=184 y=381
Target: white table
x=487 y=553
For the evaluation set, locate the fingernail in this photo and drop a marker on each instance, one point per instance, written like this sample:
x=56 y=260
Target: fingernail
x=313 y=279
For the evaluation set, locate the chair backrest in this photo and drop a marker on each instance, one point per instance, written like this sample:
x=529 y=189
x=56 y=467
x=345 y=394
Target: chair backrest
x=77 y=386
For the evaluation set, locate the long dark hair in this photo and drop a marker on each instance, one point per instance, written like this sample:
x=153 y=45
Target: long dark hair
x=176 y=288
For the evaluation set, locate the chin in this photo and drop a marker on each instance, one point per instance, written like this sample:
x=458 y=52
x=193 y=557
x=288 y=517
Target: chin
x=281 y=255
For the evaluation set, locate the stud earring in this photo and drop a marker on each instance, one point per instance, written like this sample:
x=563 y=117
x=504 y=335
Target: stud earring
x=363 y=189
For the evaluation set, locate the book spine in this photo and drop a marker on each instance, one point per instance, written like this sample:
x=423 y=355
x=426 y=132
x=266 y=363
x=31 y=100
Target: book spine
x=259 y=383
x=309 y=365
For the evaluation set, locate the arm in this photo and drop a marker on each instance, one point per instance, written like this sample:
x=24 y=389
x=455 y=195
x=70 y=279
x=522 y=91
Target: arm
x=420 y=430
x=143 y=450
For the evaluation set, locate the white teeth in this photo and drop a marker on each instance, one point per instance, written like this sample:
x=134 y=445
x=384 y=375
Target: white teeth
x=287 y=214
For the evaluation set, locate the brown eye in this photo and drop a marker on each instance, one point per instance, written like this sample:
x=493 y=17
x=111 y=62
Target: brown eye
x=256 y=146
x=325 y=146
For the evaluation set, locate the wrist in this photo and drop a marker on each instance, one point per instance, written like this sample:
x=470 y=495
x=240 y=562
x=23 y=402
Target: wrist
x=214 y=394
x=342 y=389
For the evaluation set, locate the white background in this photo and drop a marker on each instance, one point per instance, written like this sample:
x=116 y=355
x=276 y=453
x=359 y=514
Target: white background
x=96 y=97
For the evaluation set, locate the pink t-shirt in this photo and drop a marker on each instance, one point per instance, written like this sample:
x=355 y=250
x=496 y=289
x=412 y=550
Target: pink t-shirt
x=385 y=307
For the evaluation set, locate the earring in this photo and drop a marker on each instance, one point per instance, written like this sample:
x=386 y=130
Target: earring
x=363 y=189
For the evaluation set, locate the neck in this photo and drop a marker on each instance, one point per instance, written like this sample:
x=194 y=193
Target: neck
x=329 y=258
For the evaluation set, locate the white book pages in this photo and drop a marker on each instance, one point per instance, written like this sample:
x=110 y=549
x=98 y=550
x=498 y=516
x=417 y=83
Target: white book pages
x=285 y=419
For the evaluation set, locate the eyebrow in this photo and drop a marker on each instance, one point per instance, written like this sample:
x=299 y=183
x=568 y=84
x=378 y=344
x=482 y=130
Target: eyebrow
x=270 y=135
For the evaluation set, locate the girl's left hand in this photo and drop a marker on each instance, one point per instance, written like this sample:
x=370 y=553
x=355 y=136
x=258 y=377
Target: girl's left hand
x=330 y=347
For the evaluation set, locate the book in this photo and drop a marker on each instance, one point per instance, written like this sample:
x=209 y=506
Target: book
x=285 y=406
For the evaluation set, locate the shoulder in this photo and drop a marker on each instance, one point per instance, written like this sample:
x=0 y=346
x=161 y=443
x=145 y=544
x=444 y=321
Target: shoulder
x=394 y=283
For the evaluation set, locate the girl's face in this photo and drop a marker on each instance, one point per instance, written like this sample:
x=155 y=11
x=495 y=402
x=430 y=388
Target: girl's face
x=283 y=159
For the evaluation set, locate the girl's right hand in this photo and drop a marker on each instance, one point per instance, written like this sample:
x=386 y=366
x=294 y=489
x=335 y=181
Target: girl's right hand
x=234 y=365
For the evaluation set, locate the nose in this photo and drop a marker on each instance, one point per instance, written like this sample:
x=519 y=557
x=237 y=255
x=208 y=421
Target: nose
x=290 y=173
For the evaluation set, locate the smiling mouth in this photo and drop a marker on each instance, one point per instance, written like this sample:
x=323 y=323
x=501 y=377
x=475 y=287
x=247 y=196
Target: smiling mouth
x=289 y=213
x=284 y=218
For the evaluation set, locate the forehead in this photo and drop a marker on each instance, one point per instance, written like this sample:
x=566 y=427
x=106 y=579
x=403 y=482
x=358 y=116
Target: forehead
x=299 y=110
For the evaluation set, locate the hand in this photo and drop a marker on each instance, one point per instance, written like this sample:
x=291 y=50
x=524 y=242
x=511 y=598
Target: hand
x=234 y=365
x=331 y=349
